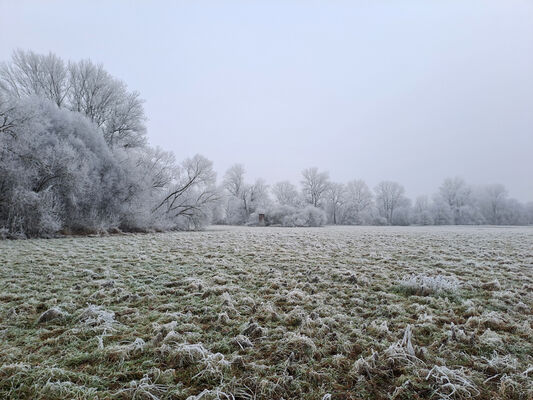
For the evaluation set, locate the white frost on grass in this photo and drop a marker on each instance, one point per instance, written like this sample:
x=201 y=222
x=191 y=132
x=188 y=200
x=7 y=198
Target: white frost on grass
x=404 y=351
x=451 y=383
x=287 y=290
x=96 y=316
x=423 y=285
x=67 y=389
x=144 y=388
x=126 y=350
x=212 y=394
x=100 y=320
x=498 y=363
x=185 y=355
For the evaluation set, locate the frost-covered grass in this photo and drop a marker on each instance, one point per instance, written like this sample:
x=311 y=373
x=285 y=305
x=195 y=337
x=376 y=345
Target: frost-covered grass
x=423 y=285
x=270 y=313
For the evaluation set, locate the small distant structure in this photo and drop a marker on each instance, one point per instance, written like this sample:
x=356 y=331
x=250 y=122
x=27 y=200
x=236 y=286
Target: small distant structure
x=261 y=221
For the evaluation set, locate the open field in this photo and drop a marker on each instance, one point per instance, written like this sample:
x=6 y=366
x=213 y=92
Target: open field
x=270 y=313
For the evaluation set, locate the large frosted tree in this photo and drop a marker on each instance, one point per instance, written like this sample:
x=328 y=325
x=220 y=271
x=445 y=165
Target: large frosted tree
x=286 y=194
x=315 y=185
x=81 y=86
x=74 y=156
x=358 y=202
x=455 y=194
x=336 y=199
x=389 y=198
x=493 y=203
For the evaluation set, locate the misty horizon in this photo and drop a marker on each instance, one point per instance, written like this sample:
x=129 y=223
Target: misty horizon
x=413 y=93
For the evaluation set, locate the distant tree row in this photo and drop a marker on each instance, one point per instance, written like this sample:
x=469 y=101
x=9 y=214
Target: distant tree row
x=354 y=203
x=74 y=156
x=74 y=159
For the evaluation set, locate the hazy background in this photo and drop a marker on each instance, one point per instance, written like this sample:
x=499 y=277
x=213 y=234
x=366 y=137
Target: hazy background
x=412 y=91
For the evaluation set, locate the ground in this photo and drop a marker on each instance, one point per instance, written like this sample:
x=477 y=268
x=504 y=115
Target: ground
x=270 y=313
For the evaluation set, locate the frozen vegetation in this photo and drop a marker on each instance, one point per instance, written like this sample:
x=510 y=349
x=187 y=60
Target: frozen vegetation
x=74 y=156
x=254 y=313
x=75 y=159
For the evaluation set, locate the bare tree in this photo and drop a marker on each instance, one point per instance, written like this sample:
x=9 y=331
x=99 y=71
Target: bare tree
x=106 y=101
x=82 y=87
x=193 y=192
x=258 y=196
x=286 y=194
x=389 y=196
x=234 y=180
x=457 y=195
x=35 y=74
x=422 y=214
x=7 y=118
x=336 y=199
x=158 y=166
x=358 y=199
x=493 y=199
x=314 y=186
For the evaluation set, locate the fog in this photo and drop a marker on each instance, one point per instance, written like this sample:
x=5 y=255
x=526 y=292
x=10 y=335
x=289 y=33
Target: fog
x=409 y=91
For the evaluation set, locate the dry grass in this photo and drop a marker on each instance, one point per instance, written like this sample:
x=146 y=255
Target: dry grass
x=270 y=313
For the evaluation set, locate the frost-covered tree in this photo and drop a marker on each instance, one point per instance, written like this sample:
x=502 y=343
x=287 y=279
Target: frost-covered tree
x=422 y=212
x=528 y=209
x=83 y=87
x=9 y=118
x=514 y=213
x=315 y=185
x=358 y=202
x=31 y=74
x=234 y=180
x=441 y=212
x=286 y=194
x=259 y=198
x=158 y=166
x=243 y=199
x=107 y=102
x=457 y=195
x=492 y=200
x=70 y=169
x=236 y=204
x=335 y=201
x=56 y=172
x=389 y=197
x=192 y=194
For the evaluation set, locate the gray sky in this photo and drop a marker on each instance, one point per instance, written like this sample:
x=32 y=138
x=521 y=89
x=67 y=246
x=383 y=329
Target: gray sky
x=412 y=91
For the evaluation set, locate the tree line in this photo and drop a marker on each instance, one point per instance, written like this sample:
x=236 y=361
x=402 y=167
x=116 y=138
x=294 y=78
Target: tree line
x=319 y=201
x=74 y=158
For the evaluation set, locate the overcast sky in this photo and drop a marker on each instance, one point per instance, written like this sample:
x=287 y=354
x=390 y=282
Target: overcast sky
x=412 y=91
